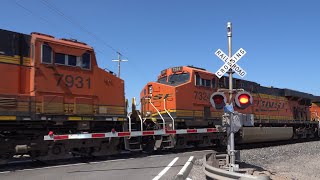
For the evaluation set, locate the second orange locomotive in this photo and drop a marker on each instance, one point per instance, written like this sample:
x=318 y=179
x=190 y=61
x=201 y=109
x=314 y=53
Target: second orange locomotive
x=185 y=92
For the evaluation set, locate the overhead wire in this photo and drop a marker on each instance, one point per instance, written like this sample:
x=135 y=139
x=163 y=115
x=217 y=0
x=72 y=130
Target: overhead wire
x=56 y=10
x=47 y=21
x=32 y=13
x=59 y=12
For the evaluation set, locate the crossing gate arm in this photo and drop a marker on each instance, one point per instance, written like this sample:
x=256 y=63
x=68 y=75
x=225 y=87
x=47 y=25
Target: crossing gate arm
x=54 y=137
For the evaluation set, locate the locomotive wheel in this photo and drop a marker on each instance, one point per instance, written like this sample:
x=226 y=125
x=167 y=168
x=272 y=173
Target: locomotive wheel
x=57 y=149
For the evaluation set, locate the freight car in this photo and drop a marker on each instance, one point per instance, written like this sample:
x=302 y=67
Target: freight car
x=55 y=86
x=184 y=93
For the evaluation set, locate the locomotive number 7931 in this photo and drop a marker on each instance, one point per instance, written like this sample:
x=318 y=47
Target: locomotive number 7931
x=73 y=81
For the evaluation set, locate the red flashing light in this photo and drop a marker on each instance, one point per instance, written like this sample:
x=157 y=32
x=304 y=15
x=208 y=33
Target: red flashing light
x=243 y=99
x=50 y=133
x=113 y=130
x=218 y=100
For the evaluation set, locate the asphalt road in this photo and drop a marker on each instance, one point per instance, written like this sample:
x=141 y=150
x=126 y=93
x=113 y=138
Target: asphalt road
x=154 y=167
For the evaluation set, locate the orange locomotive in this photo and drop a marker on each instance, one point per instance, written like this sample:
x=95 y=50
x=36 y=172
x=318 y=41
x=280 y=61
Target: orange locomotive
x=55 y=85
x=184 y=93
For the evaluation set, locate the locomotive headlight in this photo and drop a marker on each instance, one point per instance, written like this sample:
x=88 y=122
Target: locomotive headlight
x=148 y=114
x=150 y=89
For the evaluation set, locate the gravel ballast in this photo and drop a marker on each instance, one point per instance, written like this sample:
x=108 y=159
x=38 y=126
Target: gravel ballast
x=292 y=161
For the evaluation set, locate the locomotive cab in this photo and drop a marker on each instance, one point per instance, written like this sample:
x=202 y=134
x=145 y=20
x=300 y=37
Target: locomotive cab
x=70 y=85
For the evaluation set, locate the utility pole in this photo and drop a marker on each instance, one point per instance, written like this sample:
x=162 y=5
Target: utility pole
x=119 y=60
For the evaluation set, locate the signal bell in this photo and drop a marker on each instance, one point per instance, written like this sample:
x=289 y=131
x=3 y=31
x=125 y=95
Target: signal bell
x=218 y=100
x=243 y=99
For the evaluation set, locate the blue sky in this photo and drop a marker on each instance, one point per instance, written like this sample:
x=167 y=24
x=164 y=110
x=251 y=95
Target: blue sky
x=281 y=37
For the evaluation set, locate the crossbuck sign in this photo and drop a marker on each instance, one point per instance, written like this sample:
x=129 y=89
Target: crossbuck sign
x=230 y=63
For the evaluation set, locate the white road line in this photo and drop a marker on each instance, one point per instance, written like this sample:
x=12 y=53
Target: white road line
x=185 y=170
x=188 y=178
x=166 y=169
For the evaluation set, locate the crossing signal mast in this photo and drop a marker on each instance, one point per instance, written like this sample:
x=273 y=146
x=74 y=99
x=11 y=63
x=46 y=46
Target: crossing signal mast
x=242 y=99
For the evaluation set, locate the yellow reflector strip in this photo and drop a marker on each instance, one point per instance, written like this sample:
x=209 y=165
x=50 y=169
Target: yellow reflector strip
x=121 y=119
x=74 y=118
x=8 y=118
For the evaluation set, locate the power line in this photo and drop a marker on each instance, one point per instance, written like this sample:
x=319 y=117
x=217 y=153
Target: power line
x=56 y=10
x=47 y=21
x=42 y=18
x=68 y=19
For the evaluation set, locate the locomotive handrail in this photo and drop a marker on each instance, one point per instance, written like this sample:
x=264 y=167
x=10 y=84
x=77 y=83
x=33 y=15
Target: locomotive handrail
x=164 y=106
x=164 y=123
x=138 y=113
x=128 y=115
x=141 y=121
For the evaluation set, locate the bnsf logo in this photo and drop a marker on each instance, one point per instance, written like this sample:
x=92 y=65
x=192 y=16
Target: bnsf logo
x=270 y=104
x=162 y=96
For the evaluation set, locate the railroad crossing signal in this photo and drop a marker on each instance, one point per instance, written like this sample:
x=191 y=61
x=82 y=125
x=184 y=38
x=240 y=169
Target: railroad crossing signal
x=243 y=99
x=218 y=100
x=230 y=63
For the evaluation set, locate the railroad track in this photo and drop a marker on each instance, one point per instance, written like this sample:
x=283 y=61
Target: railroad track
x=272 y=144
x=26 y=162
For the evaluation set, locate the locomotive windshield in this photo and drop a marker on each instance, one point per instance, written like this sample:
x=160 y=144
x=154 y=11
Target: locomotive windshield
x=162 y=80
x=175 y=79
